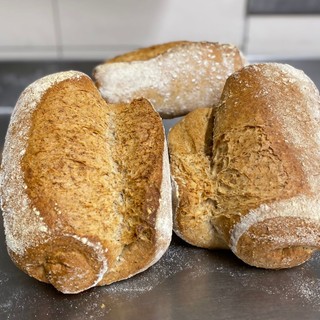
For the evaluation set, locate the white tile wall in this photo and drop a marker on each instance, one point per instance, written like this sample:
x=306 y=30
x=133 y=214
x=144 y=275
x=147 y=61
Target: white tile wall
x=110 y=28
x=97 y=29
x=27 y=27
x=284 y=36
x=214 y=20
x=122 y=25
x=104 y=23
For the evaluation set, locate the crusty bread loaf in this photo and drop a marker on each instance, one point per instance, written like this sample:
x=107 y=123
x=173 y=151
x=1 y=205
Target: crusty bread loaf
x=85 y=186
x=250 y=178
x=176 y=77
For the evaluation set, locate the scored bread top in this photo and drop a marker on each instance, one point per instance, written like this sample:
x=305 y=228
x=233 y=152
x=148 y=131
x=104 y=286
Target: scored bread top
x=263 y=170
x=92 y=183
x=176 y=77
x=291 y=104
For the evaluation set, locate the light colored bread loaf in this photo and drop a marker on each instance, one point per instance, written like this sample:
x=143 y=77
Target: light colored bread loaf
x=257 y=191
x=177 y=77
x=85 y=186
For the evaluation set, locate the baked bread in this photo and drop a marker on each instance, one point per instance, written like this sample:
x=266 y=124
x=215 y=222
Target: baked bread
x=85 y=186
x=247 y=174
x=177 y=77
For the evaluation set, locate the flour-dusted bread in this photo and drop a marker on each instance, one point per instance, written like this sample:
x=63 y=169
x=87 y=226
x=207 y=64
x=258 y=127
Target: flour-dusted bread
x=177 y=77
x=85 y=186
x=248 y=176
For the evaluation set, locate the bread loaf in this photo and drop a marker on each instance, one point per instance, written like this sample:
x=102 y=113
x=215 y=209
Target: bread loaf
x=176 y=77
x=85 y=186
x=248 y=175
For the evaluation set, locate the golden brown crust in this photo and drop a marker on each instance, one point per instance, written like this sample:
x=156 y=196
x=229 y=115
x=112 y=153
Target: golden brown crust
x=281 y=242
x=263 y=168
x=176 y=77
x=92 y=181
x=147 y=53
x=70 y=265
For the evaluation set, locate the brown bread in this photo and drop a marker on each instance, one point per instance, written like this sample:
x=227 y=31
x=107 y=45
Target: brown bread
x=85 y=186
x=257 y=191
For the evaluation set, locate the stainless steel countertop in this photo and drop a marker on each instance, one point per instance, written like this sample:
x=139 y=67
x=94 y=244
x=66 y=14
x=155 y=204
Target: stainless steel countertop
x=187 y=283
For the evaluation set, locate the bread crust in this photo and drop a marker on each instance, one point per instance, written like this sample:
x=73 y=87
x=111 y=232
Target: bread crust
x=177 y=77
x=190 y=143
x=77 y=215
x=265 y=165
x=147 y=53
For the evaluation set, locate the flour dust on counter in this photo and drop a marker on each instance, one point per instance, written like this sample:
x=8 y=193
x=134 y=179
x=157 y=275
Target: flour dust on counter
x=300 y=284
x=185 y=282
x=172 y=263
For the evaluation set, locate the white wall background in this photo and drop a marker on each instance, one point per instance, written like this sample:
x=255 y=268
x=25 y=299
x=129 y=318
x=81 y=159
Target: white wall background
x=98 y=29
